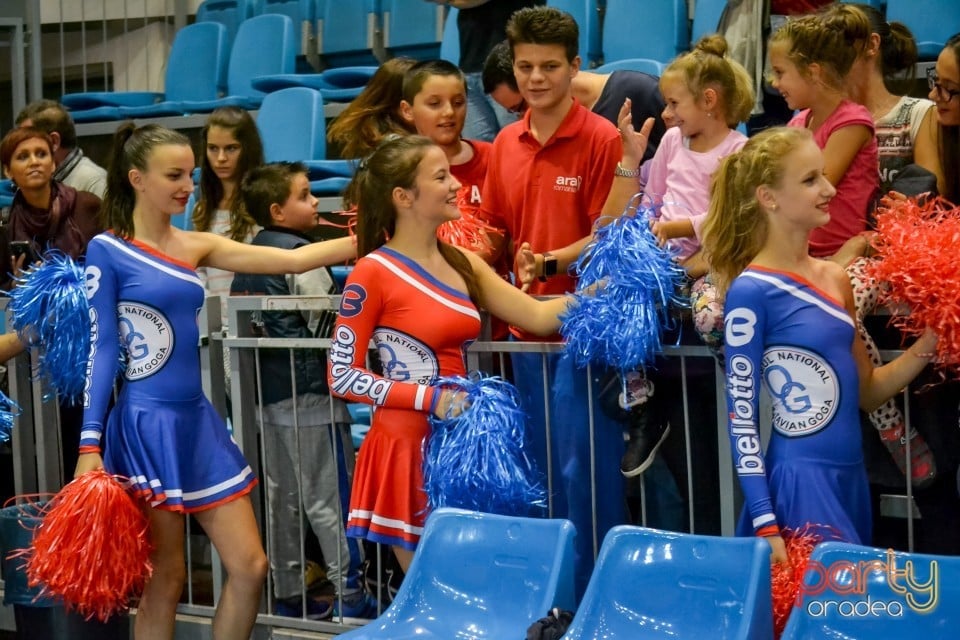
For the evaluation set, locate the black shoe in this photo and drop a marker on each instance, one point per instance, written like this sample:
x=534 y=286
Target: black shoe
x=642 y=448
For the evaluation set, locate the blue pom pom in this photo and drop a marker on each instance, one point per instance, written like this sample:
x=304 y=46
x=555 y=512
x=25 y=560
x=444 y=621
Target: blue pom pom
x=50 y=310
x=627 y=284
x=478 y=460
x=8 y=411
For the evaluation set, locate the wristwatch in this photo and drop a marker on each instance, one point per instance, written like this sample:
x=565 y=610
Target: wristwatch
x=626 y=173
x=549 y=266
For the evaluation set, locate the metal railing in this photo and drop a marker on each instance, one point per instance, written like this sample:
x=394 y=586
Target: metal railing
x=700 y=467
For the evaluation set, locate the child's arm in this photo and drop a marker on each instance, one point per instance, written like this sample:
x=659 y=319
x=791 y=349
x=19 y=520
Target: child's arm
x=842 y=147
x=670 y=229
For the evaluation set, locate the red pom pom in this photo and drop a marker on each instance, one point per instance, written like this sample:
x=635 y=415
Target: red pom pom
x=467 y=232
x=91 y=548
x=917 y=246
x=786 y=577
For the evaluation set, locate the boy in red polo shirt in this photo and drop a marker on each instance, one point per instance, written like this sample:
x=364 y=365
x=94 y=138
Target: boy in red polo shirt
x=547 y=179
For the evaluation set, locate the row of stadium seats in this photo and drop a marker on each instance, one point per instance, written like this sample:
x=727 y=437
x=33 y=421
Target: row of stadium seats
x=492 y=576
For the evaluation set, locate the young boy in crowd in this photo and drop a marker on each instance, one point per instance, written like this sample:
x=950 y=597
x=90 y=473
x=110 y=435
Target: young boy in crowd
x=307 y=448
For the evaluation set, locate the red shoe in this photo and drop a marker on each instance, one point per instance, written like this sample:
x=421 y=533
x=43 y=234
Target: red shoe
x=923 y=468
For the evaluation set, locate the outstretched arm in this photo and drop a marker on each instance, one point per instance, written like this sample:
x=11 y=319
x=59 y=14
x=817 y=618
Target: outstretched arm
x=224 y=253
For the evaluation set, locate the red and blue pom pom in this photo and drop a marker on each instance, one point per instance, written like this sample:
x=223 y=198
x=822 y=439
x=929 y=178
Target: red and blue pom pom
x=50 y=310
x=478 y=459
x=627 y=284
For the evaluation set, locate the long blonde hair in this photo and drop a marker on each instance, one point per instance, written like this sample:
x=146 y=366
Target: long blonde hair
x=736 y=226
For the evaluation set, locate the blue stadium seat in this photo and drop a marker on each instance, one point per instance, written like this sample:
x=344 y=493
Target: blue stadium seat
x=932 y=22
x=706 y=17
x=587 y=15
x=478 y=575
x=652 y=67
x=450 y=43
x=879 y=5
x=339 y=84
x=301 y=12
x=659 y=584
x=306 y=142
x=229 y=13
x=345 y=32
x=851 y=591
x=657 y=30
x=7 y=191
x=264 y=45
x=412 y=28
x=196 y=70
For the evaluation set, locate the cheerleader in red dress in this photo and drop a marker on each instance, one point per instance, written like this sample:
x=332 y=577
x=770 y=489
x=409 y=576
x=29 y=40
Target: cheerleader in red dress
x=416 y=297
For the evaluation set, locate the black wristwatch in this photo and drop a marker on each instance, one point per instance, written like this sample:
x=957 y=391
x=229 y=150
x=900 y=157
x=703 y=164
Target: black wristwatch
x=549 y=266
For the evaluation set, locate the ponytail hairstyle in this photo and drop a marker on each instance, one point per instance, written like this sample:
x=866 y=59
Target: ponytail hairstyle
x=736 y=226
x=708 y=67
x=898 y=47
x=832 y=39
x=396 y=163
x=132 y=148
x=239 y=123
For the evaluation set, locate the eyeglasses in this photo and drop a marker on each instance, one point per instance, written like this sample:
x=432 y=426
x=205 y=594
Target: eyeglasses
x=942 y=93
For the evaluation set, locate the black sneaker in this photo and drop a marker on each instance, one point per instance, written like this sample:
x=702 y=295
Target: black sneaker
x=642 y=447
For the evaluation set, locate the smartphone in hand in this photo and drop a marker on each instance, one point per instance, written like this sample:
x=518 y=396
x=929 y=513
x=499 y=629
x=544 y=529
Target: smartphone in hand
x=23 y=247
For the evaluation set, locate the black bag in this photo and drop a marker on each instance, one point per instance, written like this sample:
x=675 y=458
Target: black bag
x=914 y=180
x=552 y=627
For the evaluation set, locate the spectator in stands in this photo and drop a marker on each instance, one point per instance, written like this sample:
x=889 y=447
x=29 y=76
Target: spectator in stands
x=481 y=25
x=787 y=308
x=164 y=433
x=602 y=93
x=231 y=148
x=906 y=131
x=45 y=212
x=48 y=215
x=906 y=127
x=547 y=179
x=708 y=94
x=307 y=447
x=374 y=113
x=417 y=298
x=944 y=83
x=73 y=168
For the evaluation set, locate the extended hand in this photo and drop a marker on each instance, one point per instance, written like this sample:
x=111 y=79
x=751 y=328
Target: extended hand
x=525 y=264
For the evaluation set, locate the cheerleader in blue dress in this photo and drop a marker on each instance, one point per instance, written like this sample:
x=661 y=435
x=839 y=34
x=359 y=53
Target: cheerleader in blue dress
x=163 y=434
x=789 y=328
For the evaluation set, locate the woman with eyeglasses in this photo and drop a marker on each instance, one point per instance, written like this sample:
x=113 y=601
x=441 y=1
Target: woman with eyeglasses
x=944 y=82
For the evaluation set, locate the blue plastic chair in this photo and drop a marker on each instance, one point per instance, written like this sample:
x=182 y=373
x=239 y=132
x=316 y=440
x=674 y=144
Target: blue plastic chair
x=345 y=32
x=302 y=13
x=7 y=191
x=412 y=28
x=196 y=70
x=853 y=591
x=587 y=15
x=657 y=30
x=340 y=84
x=478 y=575
x=932 y=22
x=229 y=13
x=659 y=584
x=652 y=67
x=706 y=17
x=306 y=142
x=450 y=43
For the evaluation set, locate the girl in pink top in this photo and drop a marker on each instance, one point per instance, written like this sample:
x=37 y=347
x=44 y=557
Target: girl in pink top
x=810 y=56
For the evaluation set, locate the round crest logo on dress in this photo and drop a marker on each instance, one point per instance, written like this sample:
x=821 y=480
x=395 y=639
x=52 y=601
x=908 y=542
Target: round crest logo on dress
x=146 y=335
x=404 y=358
x=804 y=388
